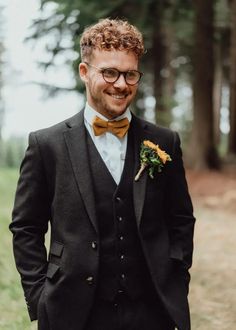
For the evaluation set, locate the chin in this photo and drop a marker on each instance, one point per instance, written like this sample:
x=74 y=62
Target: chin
x=115 y=113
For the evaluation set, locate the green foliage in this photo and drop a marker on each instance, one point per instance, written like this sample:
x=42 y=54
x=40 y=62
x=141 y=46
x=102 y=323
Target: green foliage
x=11 y=152
x=12 y=305
x=69 y=18
x=169 y=34
x=1 y=79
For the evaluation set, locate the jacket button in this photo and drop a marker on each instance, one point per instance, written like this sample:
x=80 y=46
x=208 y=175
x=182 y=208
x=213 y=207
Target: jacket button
x=94 y=245
x=90 y=280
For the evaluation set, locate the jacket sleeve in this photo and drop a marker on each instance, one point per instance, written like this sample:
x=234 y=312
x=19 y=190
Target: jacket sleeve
x=180 y=215
x=30 y=217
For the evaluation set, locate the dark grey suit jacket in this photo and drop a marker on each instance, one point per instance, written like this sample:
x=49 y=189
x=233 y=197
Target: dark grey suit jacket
x=55 y=187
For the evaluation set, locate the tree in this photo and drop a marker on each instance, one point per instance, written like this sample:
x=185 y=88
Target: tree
x=221 y=60
x=157 y=19
x=173 y=54
x=202 y=139
x=232 y=134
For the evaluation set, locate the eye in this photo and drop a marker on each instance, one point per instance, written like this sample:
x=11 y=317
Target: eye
x=110 y=73
x=132 y=74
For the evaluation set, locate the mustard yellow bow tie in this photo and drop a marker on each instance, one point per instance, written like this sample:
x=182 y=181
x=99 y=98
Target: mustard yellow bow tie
x=119 y=127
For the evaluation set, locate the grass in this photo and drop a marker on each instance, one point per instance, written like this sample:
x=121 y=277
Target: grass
x=13 y=313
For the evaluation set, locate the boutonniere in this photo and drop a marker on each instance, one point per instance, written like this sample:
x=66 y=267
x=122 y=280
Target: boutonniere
x=151 y=157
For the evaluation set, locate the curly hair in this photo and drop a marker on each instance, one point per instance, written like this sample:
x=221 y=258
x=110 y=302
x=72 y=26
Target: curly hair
x=109 y=34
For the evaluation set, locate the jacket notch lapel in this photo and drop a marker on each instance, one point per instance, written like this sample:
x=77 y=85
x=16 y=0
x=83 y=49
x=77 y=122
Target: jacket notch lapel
x=139 y=187
x=75 y=138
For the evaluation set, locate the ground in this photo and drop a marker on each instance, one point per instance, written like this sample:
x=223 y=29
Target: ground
x=213 y=286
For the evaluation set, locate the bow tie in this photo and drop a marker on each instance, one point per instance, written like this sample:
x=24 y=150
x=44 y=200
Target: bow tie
x=119 y=127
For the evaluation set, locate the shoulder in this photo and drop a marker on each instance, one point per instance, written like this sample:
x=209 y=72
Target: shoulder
x=55 y=131
x=156 y=131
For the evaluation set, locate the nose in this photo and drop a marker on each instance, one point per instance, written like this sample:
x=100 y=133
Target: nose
x=120 y=82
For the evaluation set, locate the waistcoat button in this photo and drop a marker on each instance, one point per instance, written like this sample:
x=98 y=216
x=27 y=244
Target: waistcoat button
x=94 y=245
x=89 y=280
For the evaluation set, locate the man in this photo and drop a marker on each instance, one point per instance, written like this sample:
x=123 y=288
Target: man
x=120 y=247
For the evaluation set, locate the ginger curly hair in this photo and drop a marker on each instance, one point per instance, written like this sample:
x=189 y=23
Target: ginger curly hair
x=109 y=34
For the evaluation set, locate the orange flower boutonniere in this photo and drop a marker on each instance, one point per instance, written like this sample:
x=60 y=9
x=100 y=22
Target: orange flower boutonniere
x=151 y=157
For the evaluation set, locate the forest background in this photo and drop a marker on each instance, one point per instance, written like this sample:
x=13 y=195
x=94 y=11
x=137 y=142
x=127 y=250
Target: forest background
x=189 y=85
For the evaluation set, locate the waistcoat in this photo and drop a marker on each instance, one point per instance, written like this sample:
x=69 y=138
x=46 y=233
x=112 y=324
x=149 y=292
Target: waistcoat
x=122 y=266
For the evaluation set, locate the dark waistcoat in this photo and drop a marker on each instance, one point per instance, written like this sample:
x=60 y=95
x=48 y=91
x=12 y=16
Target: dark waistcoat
x=122 y=265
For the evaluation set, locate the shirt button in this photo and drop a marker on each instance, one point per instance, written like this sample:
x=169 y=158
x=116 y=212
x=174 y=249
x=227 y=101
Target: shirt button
x=121 y=238
x=120 y=218
x=90 y=280
x=118 y=199
x=122 y=257
x=122 y=276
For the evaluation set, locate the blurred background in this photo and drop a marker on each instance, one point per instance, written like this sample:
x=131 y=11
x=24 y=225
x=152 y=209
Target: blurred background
x=189 y=85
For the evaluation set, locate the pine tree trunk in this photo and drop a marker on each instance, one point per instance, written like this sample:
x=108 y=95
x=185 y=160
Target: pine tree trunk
x=156 y=10
x=232 y=134
x=202 y=153
x=217 y=92
x=169 y=75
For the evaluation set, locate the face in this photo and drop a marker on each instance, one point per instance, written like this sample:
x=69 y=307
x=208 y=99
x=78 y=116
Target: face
x=109 y=99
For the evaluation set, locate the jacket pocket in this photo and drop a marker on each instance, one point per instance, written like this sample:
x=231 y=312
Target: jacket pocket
x=56 y=249
x=52 y=270
x=55 y=255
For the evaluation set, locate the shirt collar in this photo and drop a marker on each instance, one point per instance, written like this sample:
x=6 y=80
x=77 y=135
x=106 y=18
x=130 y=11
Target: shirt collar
x=90 y=113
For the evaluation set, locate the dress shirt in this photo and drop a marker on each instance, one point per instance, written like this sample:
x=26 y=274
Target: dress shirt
x=111 y=148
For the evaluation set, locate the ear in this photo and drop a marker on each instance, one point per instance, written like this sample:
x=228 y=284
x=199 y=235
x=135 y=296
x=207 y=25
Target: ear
x=83 y=72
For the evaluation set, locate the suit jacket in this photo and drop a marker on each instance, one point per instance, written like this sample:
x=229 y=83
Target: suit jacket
x=55 y=187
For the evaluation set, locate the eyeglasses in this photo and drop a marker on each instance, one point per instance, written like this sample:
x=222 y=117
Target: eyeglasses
x=111 y=75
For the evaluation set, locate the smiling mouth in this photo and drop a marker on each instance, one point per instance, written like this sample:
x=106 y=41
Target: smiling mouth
x=118 y=96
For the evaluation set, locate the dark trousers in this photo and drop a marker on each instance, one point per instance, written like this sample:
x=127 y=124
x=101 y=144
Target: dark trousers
x=143 y=313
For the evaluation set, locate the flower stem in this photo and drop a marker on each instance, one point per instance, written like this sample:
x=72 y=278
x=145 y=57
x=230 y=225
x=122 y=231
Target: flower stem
x=142 y=168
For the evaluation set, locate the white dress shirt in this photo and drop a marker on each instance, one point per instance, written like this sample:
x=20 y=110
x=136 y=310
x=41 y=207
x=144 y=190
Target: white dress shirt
x=111 y=148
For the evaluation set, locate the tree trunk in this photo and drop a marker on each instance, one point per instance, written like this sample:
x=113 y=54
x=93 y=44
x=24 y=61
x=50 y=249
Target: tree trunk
x=232 y=134
x=156 y=10
x=217 y=91
x=168 y=74
x=202 y=153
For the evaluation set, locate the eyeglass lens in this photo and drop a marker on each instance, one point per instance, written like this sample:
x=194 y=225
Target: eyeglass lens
x=132 y=77
x=111 y=75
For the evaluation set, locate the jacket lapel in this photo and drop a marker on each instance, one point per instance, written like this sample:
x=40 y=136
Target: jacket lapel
x=75 y=138
x=139 y=187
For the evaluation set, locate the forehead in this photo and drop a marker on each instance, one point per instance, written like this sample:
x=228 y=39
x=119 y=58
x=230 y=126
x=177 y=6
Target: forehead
x=120 y=59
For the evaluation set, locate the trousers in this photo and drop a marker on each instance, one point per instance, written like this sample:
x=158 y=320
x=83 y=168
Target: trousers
x=124 y=313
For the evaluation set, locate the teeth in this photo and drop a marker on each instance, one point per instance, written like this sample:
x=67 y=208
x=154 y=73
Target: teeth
x=118 y=96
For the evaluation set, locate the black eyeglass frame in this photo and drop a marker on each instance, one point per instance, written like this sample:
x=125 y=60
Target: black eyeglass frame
x=124 y=73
